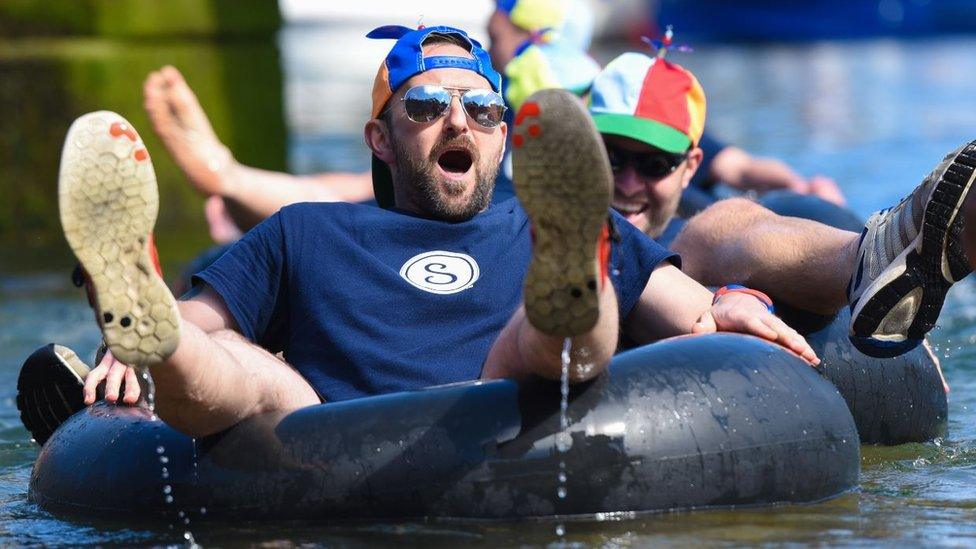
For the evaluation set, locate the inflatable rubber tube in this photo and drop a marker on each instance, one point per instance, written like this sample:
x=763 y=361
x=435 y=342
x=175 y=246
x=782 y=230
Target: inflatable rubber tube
x=695 y=422
x=893 y=400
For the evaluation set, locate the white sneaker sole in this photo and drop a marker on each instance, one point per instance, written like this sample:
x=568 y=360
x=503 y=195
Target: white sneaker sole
x=108 y=204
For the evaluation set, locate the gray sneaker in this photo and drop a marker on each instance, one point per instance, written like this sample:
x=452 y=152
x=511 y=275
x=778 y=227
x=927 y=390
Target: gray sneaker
x=908 y=258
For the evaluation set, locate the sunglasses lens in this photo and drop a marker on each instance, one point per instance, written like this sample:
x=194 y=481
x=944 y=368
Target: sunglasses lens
x=654 y=166
x=647 y=165
x=484 y=106
x=425 y=103
x=618 y=160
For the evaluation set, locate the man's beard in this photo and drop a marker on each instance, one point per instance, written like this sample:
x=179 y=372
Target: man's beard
x=419 y=177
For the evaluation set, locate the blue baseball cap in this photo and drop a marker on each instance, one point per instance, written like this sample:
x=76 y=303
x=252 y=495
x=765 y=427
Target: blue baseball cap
x=406 y=59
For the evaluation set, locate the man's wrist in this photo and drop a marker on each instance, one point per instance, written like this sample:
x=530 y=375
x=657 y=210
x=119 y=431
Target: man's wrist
x=740 y=289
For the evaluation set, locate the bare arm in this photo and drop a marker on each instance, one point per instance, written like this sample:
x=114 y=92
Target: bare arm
x=674 y=304
x=739 y=169
x=253 y=194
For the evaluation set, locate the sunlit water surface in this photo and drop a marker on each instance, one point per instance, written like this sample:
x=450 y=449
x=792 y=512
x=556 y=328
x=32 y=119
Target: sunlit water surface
x=874 y=115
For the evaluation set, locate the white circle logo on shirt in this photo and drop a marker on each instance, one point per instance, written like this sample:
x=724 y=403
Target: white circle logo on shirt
x=440 y=272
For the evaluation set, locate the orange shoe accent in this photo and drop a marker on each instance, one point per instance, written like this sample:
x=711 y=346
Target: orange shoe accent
x=528 y=109
x=118 y=129
x=140 y=155
x=154 y=254
x=603 y=253
x=534 y=130
x=518 y=140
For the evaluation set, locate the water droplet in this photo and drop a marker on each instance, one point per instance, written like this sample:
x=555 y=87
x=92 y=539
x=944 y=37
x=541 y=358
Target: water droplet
x=181 y=514
x=560 y=530
x=163 y=459
x=203 y=510
x=160 y=449
x=562 y=477
x=169 y=499
x=561 y=492
x=167 y=489
x=564 y=442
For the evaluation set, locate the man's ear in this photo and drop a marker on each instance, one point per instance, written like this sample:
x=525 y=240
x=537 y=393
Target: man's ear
x=377 y=138
x=692 y=162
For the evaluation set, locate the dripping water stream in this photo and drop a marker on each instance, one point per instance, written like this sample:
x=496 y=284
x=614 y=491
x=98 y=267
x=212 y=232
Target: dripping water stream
x=149 y=388
x=563 y=439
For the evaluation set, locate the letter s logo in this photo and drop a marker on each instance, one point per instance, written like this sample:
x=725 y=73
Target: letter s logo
x=441 y=272
x=439 y=279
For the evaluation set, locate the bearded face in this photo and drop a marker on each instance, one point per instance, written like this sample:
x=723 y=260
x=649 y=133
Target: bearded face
x=437 y=183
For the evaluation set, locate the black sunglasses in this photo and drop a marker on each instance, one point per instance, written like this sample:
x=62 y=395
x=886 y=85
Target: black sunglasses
x=427 y=103
x=647 y=165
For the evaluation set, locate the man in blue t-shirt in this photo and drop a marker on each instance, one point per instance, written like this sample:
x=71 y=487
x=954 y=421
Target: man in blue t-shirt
x=358 y=300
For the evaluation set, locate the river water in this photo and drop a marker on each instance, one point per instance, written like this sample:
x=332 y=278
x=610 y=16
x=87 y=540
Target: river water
x=875 y=115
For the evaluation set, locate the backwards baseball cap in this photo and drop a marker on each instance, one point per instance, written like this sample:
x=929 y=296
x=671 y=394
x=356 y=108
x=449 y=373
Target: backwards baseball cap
x=406 y=60
x=650 y=100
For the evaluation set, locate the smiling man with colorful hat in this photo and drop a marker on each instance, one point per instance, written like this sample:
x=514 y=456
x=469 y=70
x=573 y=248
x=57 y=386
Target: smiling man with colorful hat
x=651 y=114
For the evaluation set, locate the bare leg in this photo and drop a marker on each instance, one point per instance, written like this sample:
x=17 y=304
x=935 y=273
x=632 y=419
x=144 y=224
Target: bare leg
x=108 y=202
x=215 y=380
x=179 y=120
x=563 y=180
x=250 y=194
x=522 y=349
x=223 y=230
x=800 y=262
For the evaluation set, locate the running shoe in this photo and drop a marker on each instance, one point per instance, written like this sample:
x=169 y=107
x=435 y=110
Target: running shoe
x=908 y=258
x=108 y=204
x=562 y=178
x=49 y=389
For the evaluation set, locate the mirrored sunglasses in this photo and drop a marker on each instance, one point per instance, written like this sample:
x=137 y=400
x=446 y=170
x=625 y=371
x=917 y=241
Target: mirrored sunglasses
x=428 y=102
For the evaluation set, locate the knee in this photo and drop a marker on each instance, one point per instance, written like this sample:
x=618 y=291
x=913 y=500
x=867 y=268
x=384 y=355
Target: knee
x=226 y=335
x=717 y=223
x=732 y=210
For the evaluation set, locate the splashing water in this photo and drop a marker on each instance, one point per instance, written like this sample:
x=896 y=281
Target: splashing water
x=150 y=391
x=563 y=440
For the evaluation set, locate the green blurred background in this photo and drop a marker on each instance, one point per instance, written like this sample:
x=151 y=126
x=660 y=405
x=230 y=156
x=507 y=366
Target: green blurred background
x=62 y=58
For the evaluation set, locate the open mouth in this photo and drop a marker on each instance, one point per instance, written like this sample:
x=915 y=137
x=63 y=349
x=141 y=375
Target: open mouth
x=455 y=161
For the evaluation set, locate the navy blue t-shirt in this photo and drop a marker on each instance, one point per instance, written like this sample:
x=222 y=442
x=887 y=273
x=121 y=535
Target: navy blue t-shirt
x=365 y=301
x=710 y=148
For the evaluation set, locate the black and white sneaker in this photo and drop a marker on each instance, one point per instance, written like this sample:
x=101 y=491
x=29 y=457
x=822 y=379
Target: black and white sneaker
x=908 y=258
x=49 y=389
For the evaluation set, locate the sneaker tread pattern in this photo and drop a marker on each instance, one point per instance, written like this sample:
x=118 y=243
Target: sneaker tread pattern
x=108 y=205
